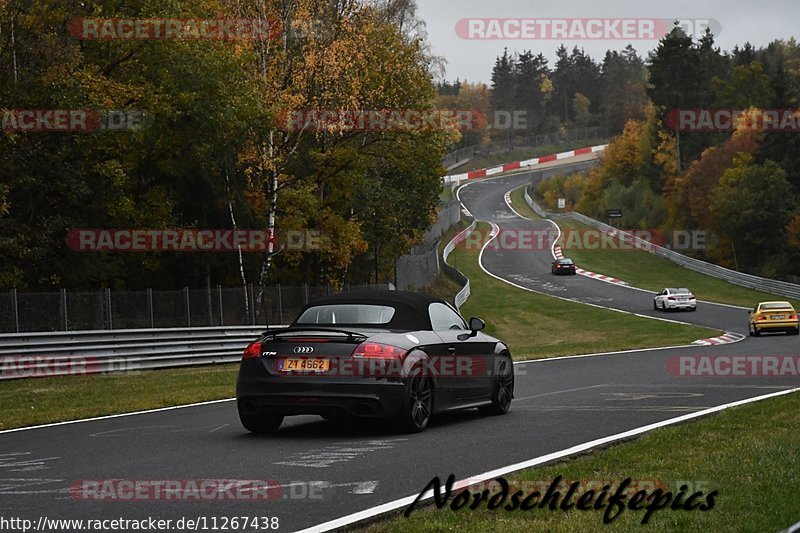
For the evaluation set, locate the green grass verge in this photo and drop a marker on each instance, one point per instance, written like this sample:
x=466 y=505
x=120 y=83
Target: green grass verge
x=526 y=153
x=536 y=326
x=645 y=270
x=32 y=401
x=749 y=454
x=520 y=205
x=447 y=193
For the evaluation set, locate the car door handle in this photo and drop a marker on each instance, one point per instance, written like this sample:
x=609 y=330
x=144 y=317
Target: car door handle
x=452 y=350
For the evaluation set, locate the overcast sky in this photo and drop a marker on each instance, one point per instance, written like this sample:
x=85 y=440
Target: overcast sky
x=757 y=21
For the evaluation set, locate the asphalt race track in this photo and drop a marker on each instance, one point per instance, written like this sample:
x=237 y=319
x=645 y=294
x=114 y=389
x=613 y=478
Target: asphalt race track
x=322 y=470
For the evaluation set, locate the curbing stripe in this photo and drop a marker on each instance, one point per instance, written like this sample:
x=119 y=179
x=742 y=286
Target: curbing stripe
x=513 y=165
x=119 y=415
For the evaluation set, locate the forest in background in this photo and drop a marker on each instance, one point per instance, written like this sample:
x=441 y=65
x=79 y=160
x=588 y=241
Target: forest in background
x=741 y=188
x=210 y=153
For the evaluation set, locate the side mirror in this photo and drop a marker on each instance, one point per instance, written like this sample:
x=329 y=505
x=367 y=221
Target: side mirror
x=476 y=324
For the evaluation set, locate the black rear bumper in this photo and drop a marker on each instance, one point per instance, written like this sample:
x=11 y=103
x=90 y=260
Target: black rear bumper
x=259 y=392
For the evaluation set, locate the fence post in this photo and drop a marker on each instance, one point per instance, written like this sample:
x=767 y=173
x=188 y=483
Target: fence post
x=109 y=319
x=188 y=312
x=252 y=305
x=219 y=293
x=64 y=318
x=280 y=304
x=150 y=308
x=15 y=309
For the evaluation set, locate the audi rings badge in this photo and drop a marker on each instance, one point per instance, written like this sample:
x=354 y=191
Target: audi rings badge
x=304 y=349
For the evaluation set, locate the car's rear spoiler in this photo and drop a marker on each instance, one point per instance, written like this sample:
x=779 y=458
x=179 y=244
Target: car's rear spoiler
x=351 y=335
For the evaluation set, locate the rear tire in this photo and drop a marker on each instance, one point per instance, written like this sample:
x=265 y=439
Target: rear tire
x=502 y=391
x=756 y=332
x=418 y=404
x=663 y=307
x=263 y=424
x=796 y=331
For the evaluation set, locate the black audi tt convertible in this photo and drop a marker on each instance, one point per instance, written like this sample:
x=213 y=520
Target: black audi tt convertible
x=373 y=354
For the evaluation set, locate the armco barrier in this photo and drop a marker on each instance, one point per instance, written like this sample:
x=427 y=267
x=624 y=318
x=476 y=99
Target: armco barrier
x=463 y=294
x=782 y=288
x=81 y=352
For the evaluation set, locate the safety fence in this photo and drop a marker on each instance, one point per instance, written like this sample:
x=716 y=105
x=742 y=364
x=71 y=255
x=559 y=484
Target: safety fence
x=453 y=272
x=43 y=354
x=108 y=309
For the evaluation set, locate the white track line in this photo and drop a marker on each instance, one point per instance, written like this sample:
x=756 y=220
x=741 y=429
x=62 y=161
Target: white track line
x=507 y=199
x=493 y=235
x=567 y=452
x=120 y=415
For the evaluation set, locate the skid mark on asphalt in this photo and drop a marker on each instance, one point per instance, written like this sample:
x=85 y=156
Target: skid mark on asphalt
x=706 y=386
x=537 y=283
x=21 y=462
x=155 y=430
x=341 y=453
x=11 y=486
x=138 y=431
x=638 y=396
x=595 y=299
x=358 y=487
x=616 y=408
x=558 y=392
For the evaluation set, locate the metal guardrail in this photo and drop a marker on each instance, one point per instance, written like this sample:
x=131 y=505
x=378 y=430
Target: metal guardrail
x=106 y=309
x=24 y=355
x=456 y=274
x=750 y=281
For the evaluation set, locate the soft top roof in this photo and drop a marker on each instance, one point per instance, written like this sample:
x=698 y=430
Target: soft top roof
x=412 y=308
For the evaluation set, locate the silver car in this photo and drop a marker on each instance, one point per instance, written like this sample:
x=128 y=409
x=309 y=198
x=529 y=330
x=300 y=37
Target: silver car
x=671 y=298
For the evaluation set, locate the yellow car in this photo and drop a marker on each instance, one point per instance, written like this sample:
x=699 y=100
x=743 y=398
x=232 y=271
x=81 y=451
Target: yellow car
x=773 y=316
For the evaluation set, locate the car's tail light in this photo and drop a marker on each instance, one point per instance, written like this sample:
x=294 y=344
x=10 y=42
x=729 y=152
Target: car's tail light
x=792 y=317
x=761 y=317
x=253 y=351
x=376 y=350
x=671 y=298
x=691 y=296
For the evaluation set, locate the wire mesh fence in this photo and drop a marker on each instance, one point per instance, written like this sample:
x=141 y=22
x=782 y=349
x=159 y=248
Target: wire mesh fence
x=106 y=309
